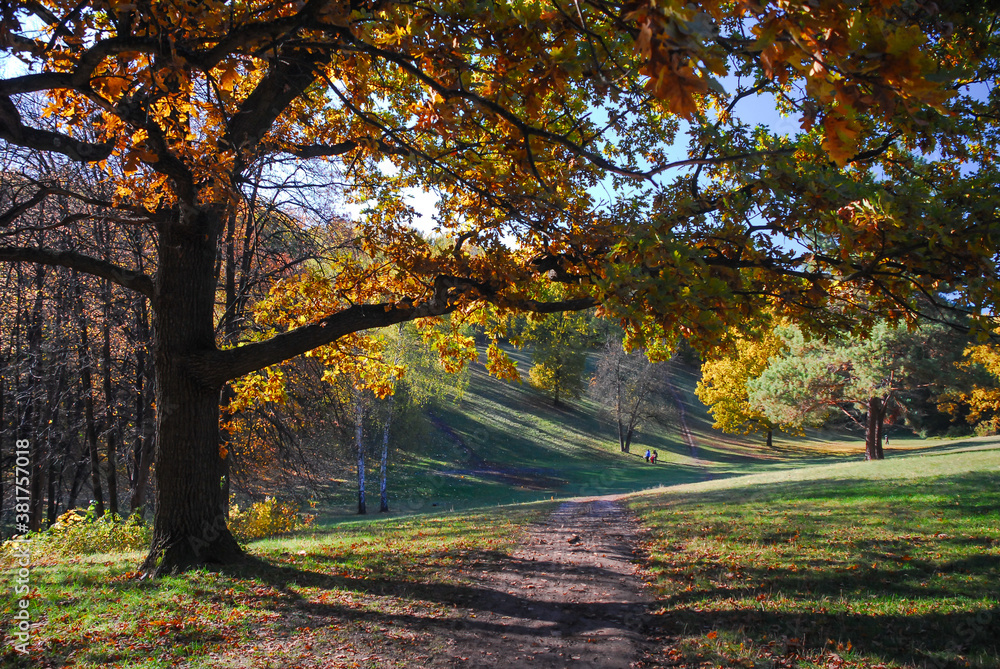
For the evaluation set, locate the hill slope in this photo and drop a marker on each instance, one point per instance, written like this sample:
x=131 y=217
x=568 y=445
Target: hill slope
x=505 y=443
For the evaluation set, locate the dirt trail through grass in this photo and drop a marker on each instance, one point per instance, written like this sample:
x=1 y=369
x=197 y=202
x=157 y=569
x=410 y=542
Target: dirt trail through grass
x=569 y=597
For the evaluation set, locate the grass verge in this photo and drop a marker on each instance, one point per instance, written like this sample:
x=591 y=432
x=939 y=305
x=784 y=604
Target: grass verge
x=366 y=593
x=891 y=564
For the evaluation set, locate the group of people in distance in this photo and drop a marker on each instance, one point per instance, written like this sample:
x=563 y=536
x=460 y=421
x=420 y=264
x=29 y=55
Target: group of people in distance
x=651 y=457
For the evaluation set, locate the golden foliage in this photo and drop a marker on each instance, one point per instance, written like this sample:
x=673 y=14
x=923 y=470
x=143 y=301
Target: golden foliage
x=982 y=402
x=723 y=384
x=266 y=519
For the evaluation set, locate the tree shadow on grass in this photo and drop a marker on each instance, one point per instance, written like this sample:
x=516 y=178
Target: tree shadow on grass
x=932 y=640
x=907 y=575
x=442 y=621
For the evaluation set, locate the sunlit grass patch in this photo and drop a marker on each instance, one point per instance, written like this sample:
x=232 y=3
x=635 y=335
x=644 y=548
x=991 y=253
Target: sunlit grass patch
x=331 y=597
x=414 y=548
x=899 y=570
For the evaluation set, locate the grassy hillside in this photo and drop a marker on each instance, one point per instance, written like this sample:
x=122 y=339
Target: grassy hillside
x=505 y=443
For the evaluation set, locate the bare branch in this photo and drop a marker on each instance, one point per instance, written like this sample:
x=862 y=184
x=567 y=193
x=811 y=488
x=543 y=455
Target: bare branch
x=15 y=132
x=125 y=278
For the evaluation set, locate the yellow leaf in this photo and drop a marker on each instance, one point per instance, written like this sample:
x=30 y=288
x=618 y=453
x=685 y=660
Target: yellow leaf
x=840 y=142
x=113 y=86
x=228 y=77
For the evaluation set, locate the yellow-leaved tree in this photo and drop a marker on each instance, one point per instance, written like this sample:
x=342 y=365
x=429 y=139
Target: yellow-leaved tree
x=980 y=399
x=723 y=384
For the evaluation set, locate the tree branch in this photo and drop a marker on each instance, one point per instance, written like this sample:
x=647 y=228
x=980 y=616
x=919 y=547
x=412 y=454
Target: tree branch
x=528 y=130
x=230 y=364
x=577 y=304
x=79 y=78
x=125 y=278
x=45 y=190
x=221 y=366
x=340 y=148
x=15 y=132
x=287 y=79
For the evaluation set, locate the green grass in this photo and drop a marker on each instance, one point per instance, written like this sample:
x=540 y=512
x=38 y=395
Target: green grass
x=336 y=596
x=889 y=564
x=559 y=452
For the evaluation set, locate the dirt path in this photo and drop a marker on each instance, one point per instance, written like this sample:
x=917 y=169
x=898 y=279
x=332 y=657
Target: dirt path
x=570 y=597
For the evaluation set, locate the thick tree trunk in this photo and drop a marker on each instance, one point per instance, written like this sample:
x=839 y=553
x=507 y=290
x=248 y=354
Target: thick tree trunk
x=873 y=431
x=189 y=527
x=770 y=438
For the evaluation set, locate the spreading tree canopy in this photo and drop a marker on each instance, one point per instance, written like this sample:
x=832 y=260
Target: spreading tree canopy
x=595 y=143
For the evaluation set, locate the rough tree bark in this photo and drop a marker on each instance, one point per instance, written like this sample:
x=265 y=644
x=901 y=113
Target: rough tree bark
x=873 y=430
x=190 y=523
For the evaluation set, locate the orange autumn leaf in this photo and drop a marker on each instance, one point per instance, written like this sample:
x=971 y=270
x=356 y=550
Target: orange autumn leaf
x=841 y=137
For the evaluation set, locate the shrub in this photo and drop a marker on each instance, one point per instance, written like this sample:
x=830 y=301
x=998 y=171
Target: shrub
x=987 y=428
x=266 y=519
x=80 y=532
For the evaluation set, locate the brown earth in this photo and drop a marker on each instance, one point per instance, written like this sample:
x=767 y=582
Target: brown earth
x=571 y=596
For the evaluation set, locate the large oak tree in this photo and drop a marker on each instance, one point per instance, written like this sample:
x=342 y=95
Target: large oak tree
x=596 y=143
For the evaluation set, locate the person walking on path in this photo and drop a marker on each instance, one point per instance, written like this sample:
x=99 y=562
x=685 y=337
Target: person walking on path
x=647 y=455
